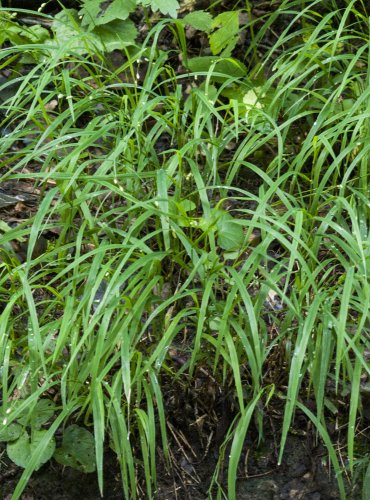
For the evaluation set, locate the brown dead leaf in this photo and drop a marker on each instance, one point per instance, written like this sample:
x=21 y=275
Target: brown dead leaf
x=51 y=105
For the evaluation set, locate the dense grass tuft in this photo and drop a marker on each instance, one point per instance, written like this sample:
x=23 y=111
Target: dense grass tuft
x=178 y=219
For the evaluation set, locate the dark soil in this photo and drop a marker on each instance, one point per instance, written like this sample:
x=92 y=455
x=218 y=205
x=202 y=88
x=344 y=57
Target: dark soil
x=304 y=475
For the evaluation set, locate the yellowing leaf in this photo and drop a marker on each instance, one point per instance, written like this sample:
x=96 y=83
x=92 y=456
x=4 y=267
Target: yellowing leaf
x=252 y=99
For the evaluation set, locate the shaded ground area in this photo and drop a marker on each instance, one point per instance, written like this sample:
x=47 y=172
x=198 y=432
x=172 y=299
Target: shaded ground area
x=304 y=475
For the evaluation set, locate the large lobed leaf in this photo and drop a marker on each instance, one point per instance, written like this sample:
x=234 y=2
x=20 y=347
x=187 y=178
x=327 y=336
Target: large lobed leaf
x=95 y=12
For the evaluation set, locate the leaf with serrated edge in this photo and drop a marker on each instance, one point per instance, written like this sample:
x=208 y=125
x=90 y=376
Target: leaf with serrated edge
x=226 y=34
x=165 y=7
x=95 y=13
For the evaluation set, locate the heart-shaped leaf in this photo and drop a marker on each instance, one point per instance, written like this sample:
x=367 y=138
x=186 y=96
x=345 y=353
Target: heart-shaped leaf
x=77 y=450
x=21 y=450
x=230 y=234
x=42 y=413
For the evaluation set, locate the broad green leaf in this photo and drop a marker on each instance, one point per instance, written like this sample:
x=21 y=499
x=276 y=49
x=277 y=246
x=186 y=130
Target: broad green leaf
x=165 y=7
x=77 y=450
x=44 y=411
x=90 y=12
x=200 y=20
x=96 y=12
x=15 y=33
x=118 y=9
x=225 y=36
x=179 y=210
x=36 y=34
x=186 y=205
x=6 y=26
x=215 y=323
x=21 y=450
x=230 y=234
x=231 y=68
x=115 y=35
x=10 y=432
x=68 y=32
x=111 y=36
x=210 y=92
x=41 y=413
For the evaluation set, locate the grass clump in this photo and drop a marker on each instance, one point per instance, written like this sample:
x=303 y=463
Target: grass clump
x=194 y=222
